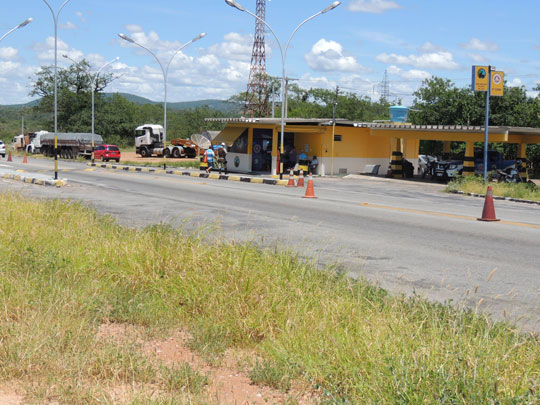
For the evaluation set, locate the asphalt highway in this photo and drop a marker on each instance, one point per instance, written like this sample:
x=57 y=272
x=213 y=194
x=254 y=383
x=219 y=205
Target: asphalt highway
x=408 y=237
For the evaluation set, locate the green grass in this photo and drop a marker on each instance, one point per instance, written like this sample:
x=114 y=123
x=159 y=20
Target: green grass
x=475 y=184
x=64 y=271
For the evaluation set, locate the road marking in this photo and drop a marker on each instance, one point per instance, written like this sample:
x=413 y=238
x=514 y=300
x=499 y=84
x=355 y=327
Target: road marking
x=20 y=170
x=89 y=170
x=441 y=214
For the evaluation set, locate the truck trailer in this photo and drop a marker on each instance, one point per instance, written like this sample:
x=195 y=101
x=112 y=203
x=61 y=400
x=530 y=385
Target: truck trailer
x=70 y=145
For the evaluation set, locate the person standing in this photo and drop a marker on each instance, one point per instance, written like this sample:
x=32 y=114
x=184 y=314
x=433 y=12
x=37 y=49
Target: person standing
x=210 y=155
x=221 y=158
x=292 y=158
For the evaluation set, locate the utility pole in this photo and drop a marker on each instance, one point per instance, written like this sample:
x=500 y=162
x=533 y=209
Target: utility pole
x=334 y=128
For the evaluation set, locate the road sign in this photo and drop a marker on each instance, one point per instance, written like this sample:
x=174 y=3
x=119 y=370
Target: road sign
x=480 y=78
x=497 y=83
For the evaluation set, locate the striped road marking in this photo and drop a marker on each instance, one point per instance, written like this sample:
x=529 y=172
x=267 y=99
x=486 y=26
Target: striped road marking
x=441 y=214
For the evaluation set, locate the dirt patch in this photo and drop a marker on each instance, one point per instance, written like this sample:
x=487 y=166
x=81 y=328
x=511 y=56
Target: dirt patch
x=228 y=383
x=9 y=396
x=133 y=157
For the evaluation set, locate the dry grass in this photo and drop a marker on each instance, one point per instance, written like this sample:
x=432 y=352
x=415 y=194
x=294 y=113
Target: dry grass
x=66 y=270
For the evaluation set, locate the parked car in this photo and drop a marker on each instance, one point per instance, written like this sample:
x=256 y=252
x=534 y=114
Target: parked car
x=448 y=169
x=107 y=152
x=2 y=149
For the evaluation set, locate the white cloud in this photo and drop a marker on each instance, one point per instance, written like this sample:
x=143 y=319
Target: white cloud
x=412 y=74
x=429 y=47
x=327 y=56
x=235 y=47
x=8 y=53
x=515 y=83
x=477 y=58
x=81 y=16
x=45 y=51
x=476 y=45
x=536 y=47
x=435 y=60
x=68 y=26
x=373 y=6
x=218 y=71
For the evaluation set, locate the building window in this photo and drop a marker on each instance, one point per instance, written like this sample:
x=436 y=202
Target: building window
x=337 y=138
x=241 y=143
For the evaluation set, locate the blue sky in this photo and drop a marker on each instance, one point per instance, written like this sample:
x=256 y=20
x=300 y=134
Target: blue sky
x=350 y=46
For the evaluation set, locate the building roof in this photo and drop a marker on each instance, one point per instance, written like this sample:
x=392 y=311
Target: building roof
x=505 y=130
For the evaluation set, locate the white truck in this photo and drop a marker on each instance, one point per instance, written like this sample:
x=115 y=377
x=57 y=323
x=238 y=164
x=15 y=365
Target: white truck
x=149 y=141
x=35 y=144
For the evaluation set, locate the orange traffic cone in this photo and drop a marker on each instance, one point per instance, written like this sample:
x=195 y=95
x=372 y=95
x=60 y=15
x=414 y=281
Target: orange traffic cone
x=25 y=160
x=310 y=193
x=300 y=182
x=291 y=179
x=9 y=157
x=488 y=213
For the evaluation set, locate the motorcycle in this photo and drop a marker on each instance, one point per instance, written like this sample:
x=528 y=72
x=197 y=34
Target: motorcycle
x=511 y=175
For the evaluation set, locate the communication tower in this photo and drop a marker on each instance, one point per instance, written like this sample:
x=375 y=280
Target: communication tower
x=257 y=89
x=384 y=86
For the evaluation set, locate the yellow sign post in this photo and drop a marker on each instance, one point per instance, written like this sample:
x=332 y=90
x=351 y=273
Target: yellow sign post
x=480 y=78
x=492 y=82
x=497 y=83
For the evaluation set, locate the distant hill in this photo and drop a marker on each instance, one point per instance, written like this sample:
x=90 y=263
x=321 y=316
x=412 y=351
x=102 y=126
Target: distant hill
x=218 y=105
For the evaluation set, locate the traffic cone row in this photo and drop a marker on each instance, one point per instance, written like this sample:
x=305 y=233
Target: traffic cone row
x=291 y=179
x=300 y=182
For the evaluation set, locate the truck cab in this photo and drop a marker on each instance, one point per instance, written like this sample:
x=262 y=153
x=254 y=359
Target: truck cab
x=148 y=139
x=35 y=144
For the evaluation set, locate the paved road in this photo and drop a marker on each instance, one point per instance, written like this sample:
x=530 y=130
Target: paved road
x=407 y=237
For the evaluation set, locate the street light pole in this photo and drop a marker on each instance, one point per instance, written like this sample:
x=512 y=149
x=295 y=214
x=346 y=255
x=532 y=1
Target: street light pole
x=165 y=71
x=93 y=86
x=332 y=6
x=24 y=23
x=55 y=18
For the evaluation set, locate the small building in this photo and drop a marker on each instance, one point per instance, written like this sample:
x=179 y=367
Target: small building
x=344 y=147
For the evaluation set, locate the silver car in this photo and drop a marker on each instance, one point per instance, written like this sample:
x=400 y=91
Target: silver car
x=2 y=149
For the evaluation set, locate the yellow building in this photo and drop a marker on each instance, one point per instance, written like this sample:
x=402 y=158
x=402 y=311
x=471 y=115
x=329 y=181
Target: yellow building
x=348 y=146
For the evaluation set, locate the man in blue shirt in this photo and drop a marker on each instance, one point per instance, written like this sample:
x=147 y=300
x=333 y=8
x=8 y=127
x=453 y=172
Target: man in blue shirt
x=210 y=155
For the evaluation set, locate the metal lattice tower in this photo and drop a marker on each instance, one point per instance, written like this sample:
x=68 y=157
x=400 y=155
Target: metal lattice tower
x=384 y=86
x=257 y=90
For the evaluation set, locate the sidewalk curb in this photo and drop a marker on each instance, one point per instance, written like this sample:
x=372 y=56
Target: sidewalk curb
x=35 y=180
x=193 y=173
x=495 y=197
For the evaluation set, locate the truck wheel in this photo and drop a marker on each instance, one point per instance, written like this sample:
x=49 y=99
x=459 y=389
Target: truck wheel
x=176 y=153
x=144 y=152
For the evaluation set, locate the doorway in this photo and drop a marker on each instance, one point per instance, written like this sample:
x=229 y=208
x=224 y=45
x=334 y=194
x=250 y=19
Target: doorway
x=261 y=156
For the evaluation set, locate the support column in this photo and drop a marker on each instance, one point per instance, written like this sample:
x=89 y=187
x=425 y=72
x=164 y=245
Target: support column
x=396 y=162
x=468 y=161
x=522 y=154
x=447 y=148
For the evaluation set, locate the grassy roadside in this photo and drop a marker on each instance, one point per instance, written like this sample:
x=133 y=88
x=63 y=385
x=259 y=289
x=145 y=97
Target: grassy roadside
x=475 y=184
x=169 y=162
x=64 y=271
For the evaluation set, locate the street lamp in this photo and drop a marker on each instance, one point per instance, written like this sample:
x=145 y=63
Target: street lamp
x=55 y=18
x=332 y=6
x=165 y=72
x=24 y=23
x=93 y=89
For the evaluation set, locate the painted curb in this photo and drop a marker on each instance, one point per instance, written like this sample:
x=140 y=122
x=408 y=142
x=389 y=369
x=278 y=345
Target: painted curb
x=35 y=180
x=495 y=197
x=204 y=175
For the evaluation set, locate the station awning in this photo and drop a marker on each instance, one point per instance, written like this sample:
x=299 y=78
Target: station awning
x=229 y=135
